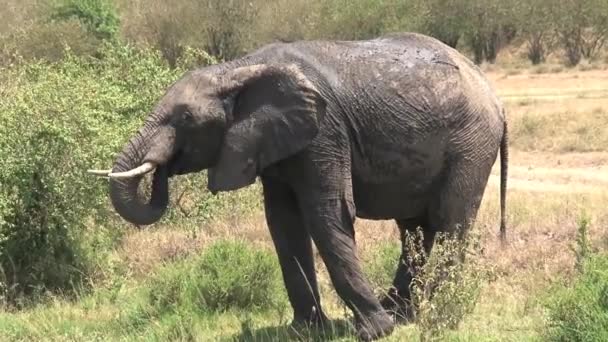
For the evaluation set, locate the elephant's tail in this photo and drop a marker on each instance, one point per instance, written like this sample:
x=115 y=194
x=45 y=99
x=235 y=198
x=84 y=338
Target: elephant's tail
x=504 y=166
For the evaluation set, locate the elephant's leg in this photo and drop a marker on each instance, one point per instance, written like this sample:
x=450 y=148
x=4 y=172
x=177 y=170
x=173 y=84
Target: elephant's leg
x=397 y=301
x=330 y=220
x=455 y=205
x=294 y=248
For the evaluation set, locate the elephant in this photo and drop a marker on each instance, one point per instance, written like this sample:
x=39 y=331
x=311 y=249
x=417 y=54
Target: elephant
x=399 y=127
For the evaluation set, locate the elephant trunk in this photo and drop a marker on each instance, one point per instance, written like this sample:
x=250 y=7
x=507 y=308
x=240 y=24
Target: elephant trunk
x=151 y=146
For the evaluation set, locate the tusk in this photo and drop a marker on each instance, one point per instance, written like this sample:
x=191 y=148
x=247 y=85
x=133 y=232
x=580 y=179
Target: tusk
x=145 y=168
x=100 y=173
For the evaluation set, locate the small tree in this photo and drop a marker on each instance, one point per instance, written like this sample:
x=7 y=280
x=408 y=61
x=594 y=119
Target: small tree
x=358 y=19
x=595 y=33
x=228 y=25
x=582 y=29
x=536 y=27
x=488 y=28
x=444 y=19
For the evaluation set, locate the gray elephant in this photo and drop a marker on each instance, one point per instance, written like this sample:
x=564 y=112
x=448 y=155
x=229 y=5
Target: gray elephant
x=400 y=127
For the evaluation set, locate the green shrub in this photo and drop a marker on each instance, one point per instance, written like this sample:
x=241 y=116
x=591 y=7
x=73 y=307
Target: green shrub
x=228 y=275
x=58 y=119
x=579 y=311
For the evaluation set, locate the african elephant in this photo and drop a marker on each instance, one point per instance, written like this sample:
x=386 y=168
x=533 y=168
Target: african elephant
x=399 y=127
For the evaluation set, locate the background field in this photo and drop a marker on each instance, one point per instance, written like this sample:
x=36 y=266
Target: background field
x=78 y=77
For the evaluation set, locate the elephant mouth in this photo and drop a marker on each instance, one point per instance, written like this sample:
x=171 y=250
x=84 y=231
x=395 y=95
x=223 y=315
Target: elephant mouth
x=182 y=162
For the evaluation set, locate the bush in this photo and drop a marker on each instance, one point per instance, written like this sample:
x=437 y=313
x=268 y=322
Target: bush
x=446 y=288
x=58 y=119
x=228 y=275
x=583 y=28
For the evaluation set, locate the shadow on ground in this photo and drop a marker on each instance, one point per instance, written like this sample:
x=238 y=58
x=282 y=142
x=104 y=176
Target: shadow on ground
x=336 y=329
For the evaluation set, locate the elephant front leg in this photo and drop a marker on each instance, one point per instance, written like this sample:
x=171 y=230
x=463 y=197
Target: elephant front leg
x=330 y=221
x=294 y=248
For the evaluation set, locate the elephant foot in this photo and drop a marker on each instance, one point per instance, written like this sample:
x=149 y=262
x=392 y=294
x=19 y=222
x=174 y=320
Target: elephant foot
x=315 y=320
x=398 y=306
x=375 y=326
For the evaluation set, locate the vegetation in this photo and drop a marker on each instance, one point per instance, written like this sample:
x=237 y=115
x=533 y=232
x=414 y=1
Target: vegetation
x=58 y=120
x=446 y=288
x=228 y=275
x=579 y=311
x=77 y=77
x=570 y=30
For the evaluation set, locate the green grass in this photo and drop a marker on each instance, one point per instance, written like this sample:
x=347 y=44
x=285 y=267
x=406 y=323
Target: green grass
x=229 y=279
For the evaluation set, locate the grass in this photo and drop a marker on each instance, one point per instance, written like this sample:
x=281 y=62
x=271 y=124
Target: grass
x=558 y=171
x=560 y=132
x=580 y=312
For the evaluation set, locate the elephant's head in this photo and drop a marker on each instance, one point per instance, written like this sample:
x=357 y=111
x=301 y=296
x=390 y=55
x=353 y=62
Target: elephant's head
x=234 y=123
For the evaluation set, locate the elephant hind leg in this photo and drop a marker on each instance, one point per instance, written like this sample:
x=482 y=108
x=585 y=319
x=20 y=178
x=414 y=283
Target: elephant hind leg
x=455 y=205
x=397 y=300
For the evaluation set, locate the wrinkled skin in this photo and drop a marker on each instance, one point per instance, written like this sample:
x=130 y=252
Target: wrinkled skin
x=401 y=127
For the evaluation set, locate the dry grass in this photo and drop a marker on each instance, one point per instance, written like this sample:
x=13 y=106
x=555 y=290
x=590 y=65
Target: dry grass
x=562 y=113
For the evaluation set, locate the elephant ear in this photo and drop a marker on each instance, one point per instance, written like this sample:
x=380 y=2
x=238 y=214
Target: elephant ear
x=274 y=111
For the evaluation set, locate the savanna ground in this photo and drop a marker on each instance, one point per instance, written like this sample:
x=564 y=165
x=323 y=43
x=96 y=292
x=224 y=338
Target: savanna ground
x=558 y=176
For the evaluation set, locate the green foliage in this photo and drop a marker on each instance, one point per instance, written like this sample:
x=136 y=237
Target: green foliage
x=26 y=34
x=583 y=28
x=580 y=312
x=228 y=275
x=98 y=16
x=60 y=119
x=582 y=251
x=488 y=28
x=361 y=19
